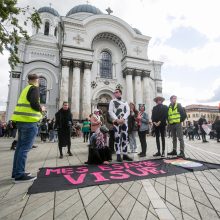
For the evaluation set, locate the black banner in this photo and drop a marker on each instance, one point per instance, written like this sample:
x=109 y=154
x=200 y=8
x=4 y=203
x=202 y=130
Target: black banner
x=51 y=179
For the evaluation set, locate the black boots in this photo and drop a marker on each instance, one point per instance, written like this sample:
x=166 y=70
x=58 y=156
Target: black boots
x=172 y=153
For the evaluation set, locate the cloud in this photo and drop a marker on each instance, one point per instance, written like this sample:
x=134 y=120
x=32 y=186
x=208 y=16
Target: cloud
x=186 y=38
x=215 y=93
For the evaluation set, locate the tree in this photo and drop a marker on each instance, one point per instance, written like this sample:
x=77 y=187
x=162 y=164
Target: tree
x=13 y=29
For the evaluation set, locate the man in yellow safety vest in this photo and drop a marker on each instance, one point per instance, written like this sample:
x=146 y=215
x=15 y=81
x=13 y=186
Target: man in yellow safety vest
x=26 y=114
x=176 y=115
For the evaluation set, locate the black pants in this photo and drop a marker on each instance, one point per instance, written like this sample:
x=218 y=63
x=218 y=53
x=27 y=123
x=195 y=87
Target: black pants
x=111 y=140
x=218 y=135
x=142 y=137
x=160 y=131
x=203 y=135
x=61 y=151
x=85 y=136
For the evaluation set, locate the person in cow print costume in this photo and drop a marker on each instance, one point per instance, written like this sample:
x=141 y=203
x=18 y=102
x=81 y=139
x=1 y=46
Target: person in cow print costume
x=119 y=111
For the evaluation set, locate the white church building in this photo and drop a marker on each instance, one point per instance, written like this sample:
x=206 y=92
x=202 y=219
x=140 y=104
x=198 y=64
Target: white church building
x=81 y=58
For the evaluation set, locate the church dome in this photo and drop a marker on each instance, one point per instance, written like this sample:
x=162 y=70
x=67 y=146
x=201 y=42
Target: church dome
x=137 y=31
x=84 y=8
x=48 y=10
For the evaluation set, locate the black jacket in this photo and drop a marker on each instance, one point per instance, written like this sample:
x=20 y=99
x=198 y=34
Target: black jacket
x=160 y=113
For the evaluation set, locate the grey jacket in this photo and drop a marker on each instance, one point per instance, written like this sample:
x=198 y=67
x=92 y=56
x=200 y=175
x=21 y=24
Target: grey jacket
x=144 y=122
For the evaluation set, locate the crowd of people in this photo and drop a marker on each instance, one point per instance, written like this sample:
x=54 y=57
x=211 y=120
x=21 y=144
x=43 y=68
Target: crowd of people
x=125 y=123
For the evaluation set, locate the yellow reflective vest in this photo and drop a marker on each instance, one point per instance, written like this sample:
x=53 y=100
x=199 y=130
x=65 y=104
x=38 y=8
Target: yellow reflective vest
x=23 y=111
x=173 y=115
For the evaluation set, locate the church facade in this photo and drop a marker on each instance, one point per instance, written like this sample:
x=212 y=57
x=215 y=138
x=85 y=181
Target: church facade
x=81 y=58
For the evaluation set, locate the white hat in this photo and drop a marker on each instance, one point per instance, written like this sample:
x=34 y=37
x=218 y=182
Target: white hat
x=96 y=110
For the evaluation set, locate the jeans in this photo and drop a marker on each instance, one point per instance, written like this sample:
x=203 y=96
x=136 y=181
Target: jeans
x=51 y=135
x=132 y=140
x=26 y=135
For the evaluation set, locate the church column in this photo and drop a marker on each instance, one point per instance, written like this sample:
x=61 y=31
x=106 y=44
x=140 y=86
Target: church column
x=64 y=87
x=147 y=101
x=86 y=97
x=138 y=89
x=75 y=107
x=129 y=85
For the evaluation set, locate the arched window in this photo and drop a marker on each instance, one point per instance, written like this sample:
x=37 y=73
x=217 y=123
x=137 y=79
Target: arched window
x=55 y=32
x=46 y=28
x=106 y=65
x=43 y=90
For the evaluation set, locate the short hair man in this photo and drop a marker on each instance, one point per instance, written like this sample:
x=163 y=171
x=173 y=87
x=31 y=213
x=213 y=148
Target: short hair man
x=119 y=111
x=176 y=115
x=26 y=114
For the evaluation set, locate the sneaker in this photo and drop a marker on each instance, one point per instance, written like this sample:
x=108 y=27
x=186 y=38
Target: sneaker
x=26 y=174
x=61 y=157
x=172 y=153
x=25 y=179
x=142 y=155
x=126 y=157
x=157 y=154
x=119 y=158
x=181 y=154
x=70 y=154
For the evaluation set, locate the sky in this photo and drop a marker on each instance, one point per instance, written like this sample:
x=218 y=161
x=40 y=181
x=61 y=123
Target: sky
x=185 y=35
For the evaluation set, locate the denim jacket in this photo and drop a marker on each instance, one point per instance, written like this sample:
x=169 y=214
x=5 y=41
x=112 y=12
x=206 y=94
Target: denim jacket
x=144 y=122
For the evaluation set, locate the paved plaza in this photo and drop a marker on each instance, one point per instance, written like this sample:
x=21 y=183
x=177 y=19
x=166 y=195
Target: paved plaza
x=186 y=196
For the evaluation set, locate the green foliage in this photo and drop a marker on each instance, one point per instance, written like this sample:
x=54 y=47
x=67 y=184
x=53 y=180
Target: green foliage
x=12 y=29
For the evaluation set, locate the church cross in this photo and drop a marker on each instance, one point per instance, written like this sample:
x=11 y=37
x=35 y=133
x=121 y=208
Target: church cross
x=109 y=10
x=50 y=5
x=137 y=50
x=78 y=39
x=87 y=2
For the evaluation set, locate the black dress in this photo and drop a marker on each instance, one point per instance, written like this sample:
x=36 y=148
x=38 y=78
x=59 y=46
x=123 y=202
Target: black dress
x=63 y=124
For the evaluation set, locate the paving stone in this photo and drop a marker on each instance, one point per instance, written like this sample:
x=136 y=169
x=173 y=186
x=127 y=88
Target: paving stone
x=161 y=180
x=135 y=189
x=164 y=214
x=160 y=189
x=111 y=189
x=15 y=215
x=182 y=179
x=172 y=197
x=138 y=212
x=116 y=216
x=126 y=206
x=32 y=206
x=11 y=206
x=150 y=216
x=63 y=195
x=209 y=189
x=71 y=212
x=91 y=195
x=215 y=202
x=81 y=216
x=200 y=197
x=187 y=217
x=95 y=205
x=207 y=213
x=143 y=198
x=175 y=211
x=152 y=210
x=66 y=204
x=118 y=196
x=84 y=191
x=184 y=189
x=126 y=185
x=189 y=207
x=171 y=184
x=47 y=216
x=105 y=212
x=194 y=184
x=39 y=211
